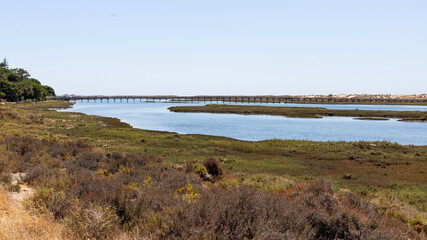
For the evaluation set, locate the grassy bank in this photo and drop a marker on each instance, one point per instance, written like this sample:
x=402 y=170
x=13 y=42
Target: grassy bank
x=303 y=112
x=137 y=167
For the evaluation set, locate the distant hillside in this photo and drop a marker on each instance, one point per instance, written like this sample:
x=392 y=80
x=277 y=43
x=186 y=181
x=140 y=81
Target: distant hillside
x=16 y=85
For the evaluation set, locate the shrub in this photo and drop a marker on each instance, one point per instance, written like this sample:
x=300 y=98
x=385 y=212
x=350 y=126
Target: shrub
x=153 y=159
x=92 y=187
x=14 y=188
x=78 y=146
x=56 y=149
x=188 y=192
x=100 y=194
x=213 y=167
x=5 y=177
x=418 y=223
x=115 y=160
x=8 y=116
x=36 y=173
x=196 y=168
x=134 y=160
x=89 y=160
x=46 y=199
x=93 y=222
x=313 y=213
x=21 y=145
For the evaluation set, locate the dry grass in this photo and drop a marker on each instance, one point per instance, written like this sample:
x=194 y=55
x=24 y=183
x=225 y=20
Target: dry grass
x=18 y=223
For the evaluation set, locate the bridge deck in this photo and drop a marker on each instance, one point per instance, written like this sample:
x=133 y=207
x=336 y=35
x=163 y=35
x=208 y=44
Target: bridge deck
x=249 y=99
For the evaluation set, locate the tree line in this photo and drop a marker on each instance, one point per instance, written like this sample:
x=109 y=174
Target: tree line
x=16 y=84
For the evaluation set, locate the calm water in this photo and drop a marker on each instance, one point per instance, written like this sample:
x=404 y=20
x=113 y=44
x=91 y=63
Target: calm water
x=155 y=116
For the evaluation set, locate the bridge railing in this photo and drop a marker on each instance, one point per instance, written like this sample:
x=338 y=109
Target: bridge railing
x=237 y=99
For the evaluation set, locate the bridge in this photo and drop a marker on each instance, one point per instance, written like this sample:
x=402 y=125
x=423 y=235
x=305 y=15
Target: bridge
x=237 y=99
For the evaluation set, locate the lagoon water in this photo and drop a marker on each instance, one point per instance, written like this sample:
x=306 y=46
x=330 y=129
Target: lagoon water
x=156 y=116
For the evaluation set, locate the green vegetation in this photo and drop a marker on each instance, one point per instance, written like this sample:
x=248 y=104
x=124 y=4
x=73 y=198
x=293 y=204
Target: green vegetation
x=372 y=118
x=303 y=112
x=16 y=85
x=169 y=186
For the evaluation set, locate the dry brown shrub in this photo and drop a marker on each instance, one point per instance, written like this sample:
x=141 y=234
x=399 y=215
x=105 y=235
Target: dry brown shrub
x=46 y=200
x=101 y=196
x=21 y=145
x=213 y=167
x=315 y=212
x=93 y=222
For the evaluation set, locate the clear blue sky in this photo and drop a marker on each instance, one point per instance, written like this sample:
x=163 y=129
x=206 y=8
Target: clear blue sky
x=219 y=47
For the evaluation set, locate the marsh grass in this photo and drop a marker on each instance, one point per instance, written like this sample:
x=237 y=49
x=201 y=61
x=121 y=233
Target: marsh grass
x=371 y=118
x=82 y=160
x=303 y=112
x=107 y=195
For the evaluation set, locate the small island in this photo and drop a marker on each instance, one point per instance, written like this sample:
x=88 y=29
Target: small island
x=305 y=112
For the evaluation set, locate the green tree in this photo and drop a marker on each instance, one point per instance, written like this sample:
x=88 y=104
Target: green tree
x=40 y=93
x=16 y=85
x=22 y=73
x=13 y=77
x=11 y=90
x=4 y=64
x=3 y=76
x=27 y=90
x=49 y=90
x=35 y=81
